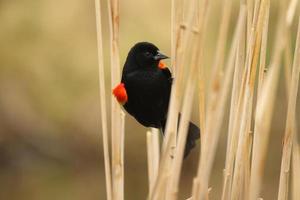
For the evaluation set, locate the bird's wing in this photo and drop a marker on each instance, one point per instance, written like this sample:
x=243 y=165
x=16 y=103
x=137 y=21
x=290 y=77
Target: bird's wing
x=148 y=94
x=168 y=74
x=167 y=88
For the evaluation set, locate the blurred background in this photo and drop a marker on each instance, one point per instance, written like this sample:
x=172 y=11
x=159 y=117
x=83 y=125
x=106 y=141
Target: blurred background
x=50 y=138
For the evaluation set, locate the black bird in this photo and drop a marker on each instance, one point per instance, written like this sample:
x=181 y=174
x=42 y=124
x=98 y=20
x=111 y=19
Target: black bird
x=145 y=89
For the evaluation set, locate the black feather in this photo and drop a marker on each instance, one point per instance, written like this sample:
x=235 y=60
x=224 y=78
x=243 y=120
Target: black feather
x=148 y=89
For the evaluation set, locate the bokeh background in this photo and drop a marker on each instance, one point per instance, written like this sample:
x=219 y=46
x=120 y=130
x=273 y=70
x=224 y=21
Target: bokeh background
x=50 y=138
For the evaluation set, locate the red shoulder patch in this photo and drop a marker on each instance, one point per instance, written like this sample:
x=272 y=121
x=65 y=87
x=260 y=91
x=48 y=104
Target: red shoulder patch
x=161 y=65
x=120 y=93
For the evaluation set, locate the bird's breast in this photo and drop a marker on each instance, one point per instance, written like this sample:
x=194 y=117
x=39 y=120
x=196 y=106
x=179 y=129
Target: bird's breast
x=148 y=96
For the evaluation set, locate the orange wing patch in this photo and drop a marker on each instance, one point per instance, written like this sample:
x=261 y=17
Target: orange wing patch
x=161 y=65
x=120 y=93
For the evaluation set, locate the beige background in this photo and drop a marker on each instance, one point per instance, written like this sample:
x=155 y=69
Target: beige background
x=50 y=138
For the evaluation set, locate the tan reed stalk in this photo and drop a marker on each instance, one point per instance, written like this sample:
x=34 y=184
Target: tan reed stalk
x=176 y=96
x=288 y=61
x=120 y=178
x=250 y=10
x=219 y=56
x=296 y=167
x=221 y=42
x=255 y=181
x=169 y=141
x=256 y=10
x=202 y=105
x=296 y=149
x=160 y=181
x=116 y=126
x=201 y=24
x=186 y=110
x=287 y=66
x=183 y=37
x=176 y=20
x=176 y=44
x=103 y=102
x=249 y=81
x=173 y=34
x=215 y=114
x=182 y=134
x=237 y=79
x=264 y=113
x=247 y=164
x=289 y=133
x=249 y=137
x=291 y=12
x=173 y=116
x=234 y=118
x=202 y=102
x=263 y=51
x=153 y=155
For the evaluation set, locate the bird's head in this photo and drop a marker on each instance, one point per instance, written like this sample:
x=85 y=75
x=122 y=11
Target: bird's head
x=145 y=55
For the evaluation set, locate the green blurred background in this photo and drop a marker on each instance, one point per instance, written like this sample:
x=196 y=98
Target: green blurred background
x=50 y=138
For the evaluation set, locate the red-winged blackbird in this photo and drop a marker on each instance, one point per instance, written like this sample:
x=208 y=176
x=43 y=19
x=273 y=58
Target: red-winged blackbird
x=145 y=89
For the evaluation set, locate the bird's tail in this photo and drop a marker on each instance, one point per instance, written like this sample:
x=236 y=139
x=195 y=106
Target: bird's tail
x=193 y=135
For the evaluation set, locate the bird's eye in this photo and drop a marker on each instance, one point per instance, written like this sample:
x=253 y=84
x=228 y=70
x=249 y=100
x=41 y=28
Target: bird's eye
x=148 y=54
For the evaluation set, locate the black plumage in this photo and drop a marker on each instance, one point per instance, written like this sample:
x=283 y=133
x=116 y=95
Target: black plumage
x=148 y=88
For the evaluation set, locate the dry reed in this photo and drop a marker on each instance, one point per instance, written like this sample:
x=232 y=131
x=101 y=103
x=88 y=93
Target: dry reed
x=287 y=66
x=247 y=147
x=103 y=102
x=264 y=113
x=153 y=155
x=290 y=123
x=247 y=96
x=216 y=111
x=234 y=114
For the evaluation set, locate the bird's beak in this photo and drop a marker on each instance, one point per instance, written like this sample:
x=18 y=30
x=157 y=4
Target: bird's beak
x=160 y=56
